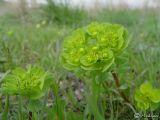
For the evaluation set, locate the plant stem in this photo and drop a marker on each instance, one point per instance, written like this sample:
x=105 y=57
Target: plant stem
x=30 y=115
x=1 y=109
x=6 y=109
x=117 y=81
x=20 y=107
x=92 y=98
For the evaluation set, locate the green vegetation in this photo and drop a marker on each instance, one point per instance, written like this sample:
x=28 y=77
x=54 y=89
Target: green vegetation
x=31 y=83
x=147 y=97
x=94 y=47
x=35 y=38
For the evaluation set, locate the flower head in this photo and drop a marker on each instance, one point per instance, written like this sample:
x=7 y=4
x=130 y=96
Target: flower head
x=147 y=97
x=94 y=47
x=30 y=83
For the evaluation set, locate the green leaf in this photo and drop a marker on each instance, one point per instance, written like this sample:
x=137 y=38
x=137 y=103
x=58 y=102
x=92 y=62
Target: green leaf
x=74 y=116
x=138 y=96
x=146 y=88
x=107 y=66
x=35 y=105
x=154 y=106
x=32 y=82
x=94 y=47
x=155 y=96
x=147 y=97
x=58 y=110
x=123 y=87
x=67 y=65
x=143 y=105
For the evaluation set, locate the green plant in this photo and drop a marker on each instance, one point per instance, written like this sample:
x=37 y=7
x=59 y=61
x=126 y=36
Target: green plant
x=62 y=13
x=31 y=83
x=94 y=49
x=147 y=97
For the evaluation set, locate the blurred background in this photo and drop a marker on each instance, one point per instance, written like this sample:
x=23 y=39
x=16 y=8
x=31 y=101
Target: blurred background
x=100 y=3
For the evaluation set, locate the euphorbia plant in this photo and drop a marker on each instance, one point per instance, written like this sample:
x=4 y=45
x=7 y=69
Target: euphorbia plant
x=94 y=49
x=31 y=83
x=147 y=97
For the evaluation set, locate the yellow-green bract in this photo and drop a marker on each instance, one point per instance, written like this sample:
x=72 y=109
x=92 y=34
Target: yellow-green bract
x=31 y=83
x=147 y=97
x=94 y=47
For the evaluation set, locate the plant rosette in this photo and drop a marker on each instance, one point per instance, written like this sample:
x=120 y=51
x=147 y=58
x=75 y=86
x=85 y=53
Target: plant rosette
x=147 y=97
x=31 y=83
x=94 y=47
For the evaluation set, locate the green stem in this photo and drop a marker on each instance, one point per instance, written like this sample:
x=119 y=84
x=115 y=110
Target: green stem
x=8 y=56
x=93 y=99
x=6 y=109
x=20 y=107
x=59 y=112
x=117 y=81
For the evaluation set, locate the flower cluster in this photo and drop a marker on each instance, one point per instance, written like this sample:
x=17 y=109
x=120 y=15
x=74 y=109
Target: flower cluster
x=94 y=47
x=30 y=83
x=147 y=97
